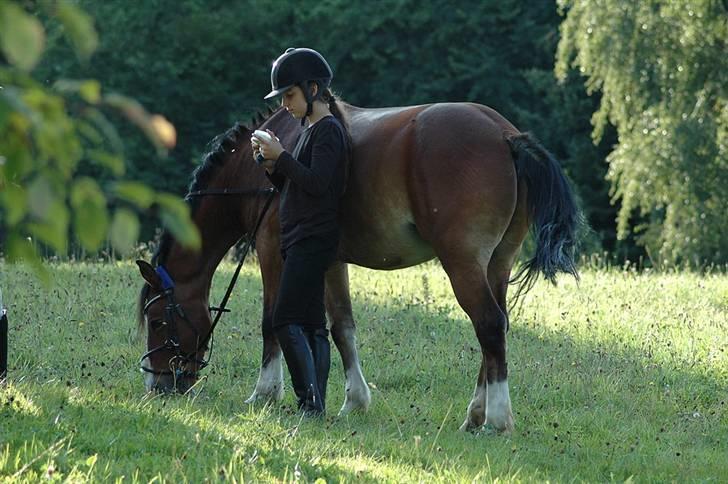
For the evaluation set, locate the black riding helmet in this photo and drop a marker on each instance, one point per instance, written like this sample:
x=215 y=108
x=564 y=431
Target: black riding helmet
x=296 y=66
x=299 y=67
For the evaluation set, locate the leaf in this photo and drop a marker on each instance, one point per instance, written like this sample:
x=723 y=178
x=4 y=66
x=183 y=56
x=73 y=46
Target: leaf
x=137 y=193
x=175 y=216
x=113 y=162
x=164 y=130
x=134 y=111
x=156 y=128
x=14 y=201
x=53 y=230
x=89 y=213
x=40 y=197
x=88 y=89
x=124 y=230
x=80 y=28
x=108 y=129
x=21 y=36
x=20 y=249
x=89 y=131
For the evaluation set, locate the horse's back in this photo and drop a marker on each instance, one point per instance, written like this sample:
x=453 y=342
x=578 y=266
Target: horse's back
x=421 y=172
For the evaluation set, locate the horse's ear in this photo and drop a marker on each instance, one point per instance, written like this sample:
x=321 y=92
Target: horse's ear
x=149 y=274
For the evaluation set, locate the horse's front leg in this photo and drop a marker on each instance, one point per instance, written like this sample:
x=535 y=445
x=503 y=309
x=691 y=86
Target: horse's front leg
x=343 y=330
x=270 y=377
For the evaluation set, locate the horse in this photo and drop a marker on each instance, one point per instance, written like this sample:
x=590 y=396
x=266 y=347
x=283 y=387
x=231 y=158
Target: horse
x=452 y=181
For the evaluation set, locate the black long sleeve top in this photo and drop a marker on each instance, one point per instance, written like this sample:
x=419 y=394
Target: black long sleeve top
x=312 y=180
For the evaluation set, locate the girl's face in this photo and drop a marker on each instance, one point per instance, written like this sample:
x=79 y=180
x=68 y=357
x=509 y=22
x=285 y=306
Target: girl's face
x=295 y=102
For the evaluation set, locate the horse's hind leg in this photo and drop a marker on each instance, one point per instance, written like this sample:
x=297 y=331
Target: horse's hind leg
x=491 y=403
x=338 y=305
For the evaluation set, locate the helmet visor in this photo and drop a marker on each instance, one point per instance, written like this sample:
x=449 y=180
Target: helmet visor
x=278 y=92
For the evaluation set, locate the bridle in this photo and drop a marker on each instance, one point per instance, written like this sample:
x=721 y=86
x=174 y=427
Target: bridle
x=174 y=311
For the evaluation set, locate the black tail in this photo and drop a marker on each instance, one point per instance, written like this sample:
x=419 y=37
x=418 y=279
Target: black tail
x=553 y=213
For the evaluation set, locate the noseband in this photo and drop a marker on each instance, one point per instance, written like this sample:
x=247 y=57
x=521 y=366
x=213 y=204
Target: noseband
x=174 y=311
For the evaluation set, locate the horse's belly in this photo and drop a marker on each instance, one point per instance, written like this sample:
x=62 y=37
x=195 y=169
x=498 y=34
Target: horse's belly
x=384 y=245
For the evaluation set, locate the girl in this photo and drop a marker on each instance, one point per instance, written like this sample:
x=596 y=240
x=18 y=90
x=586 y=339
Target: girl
x=311 y=180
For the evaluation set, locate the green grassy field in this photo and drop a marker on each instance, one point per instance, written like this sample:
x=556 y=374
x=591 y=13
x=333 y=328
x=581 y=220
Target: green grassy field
x=624 y=377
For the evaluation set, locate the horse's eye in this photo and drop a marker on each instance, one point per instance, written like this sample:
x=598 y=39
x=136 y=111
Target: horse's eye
x=156 y=324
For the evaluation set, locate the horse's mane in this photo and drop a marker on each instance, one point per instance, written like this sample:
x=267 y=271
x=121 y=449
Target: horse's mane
x=219 y=149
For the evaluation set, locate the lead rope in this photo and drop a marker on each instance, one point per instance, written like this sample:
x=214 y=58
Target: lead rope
x=221 y=309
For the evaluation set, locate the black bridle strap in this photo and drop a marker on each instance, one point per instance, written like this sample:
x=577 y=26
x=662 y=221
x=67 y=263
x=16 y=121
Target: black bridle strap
x=251 y=240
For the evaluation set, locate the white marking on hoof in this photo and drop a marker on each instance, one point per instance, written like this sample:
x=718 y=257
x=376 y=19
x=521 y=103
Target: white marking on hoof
x=357 y=396
x=475 y=417
x=270 y=382
x=498 y=411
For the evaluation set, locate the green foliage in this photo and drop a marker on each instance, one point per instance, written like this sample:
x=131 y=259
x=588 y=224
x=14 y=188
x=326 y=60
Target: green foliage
x=206 y=65
x=53 y=139
x=602 y=391
x=662 y=71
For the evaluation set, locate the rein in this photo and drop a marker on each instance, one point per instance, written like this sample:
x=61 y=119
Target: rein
x=172 y=308
x=230 y=191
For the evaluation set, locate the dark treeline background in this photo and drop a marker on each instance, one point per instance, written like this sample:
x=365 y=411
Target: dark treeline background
x=205 y=64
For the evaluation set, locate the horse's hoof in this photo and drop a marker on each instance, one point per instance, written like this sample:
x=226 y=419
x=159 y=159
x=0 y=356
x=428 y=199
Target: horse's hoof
x=274 y=396
x=503 y=426
x=468 y=426
x=350 y=406
x=487 y=428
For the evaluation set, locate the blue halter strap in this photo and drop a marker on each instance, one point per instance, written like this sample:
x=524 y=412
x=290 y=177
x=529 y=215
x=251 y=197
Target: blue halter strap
x=167 y=282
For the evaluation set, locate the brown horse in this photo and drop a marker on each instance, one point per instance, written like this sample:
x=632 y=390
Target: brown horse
x=455 y=181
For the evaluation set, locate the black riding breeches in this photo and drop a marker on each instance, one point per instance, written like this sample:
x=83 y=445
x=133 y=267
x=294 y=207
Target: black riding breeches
x=300 y=298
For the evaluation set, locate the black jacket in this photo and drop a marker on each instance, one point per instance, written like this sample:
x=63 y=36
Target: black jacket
x=312 y=180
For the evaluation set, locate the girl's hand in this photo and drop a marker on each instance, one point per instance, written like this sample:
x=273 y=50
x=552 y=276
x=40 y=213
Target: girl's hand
x=270 y=150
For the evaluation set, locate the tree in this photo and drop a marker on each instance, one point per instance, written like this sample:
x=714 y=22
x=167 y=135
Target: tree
x=662 y=71
x=205 y=68
x=48 y=135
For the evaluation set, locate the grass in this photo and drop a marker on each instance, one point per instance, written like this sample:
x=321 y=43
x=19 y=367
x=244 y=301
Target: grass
x=624 y=377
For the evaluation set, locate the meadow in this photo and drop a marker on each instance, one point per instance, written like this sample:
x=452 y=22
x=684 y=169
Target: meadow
x=623 y=377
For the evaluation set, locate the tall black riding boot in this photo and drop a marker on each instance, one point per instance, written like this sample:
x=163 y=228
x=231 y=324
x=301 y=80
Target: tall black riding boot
x=300 y=362
x=318 y=340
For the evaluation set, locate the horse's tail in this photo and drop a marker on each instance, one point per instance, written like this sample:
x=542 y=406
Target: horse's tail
x=553 y=214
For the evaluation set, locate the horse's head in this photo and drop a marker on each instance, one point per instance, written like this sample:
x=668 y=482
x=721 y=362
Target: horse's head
x=177 y=325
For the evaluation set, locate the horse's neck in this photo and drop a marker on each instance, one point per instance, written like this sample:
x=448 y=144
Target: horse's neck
x=221 y=220
x=195 y=269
